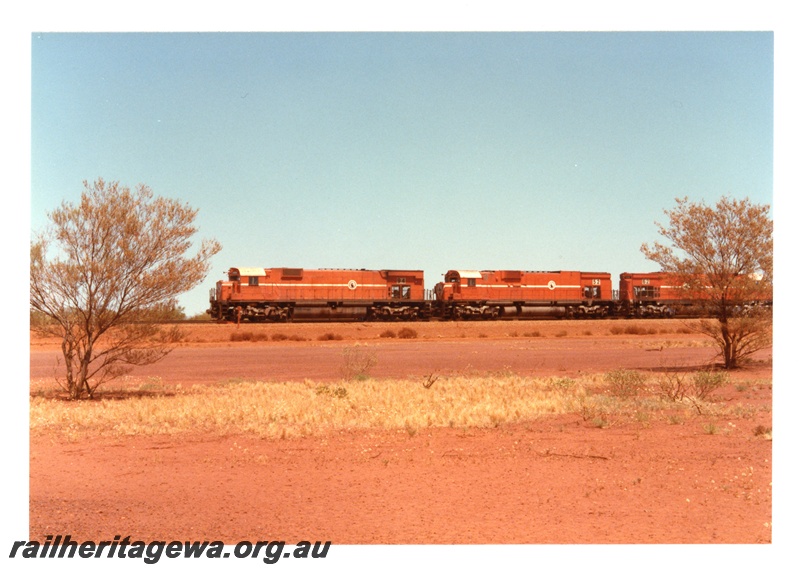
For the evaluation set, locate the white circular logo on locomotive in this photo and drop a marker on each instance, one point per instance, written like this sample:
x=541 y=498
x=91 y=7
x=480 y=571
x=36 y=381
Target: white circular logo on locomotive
x=551 y=285
x=352 y=285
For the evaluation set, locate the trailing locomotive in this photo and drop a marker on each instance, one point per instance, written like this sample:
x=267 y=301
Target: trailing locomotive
x=523 y=294
x=664 y=295
x=651 y=295
x=287 y=294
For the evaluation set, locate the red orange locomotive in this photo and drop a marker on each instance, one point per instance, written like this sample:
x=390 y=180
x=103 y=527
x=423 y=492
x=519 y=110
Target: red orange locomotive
x=506 y=294
x=286 y=294
x=283 y=294
x=651 y=295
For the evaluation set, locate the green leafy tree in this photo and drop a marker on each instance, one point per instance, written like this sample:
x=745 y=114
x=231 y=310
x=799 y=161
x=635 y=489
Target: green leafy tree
x=723 y=256
x=106 y=272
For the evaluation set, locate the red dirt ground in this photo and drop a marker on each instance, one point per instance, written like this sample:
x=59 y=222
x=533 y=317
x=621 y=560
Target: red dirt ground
x=556 y=480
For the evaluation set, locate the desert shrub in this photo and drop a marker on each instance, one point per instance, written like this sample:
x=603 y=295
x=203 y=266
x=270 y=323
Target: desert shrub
x=357 y=362
x=706 y=382
x=407 y=333
x=591 y=407
x=335 y=392
x=532 y=334
x=329 y=337
x=625 y=383
x=561 y=334
x=388 y=334
x=237 y=336
x=562 y=385
x=761 y=430
x=639 y=330
x=677 y=386
x=632 y=330
x=279 y=336
x=673 y=386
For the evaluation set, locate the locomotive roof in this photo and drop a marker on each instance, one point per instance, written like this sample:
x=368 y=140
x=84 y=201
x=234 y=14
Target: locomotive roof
x=250 y=271
x=470 y=274
x=466 y=274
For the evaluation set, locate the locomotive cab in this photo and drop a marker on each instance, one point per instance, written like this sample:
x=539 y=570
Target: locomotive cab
x=453 y=282
x=648 y=295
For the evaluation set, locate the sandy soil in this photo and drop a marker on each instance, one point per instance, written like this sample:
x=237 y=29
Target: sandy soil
x=554 y=480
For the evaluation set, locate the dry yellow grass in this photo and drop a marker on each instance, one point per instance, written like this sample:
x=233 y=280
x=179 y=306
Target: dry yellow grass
x=302 y=409
x=291 y=409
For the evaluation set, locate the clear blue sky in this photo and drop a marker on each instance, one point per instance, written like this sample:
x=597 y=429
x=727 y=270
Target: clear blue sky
x=429 y=151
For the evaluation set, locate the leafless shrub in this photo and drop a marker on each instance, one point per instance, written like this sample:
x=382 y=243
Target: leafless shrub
x=677 y=386
x=357 y=362
x=431 y=379
x=673 y=386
